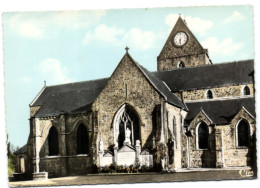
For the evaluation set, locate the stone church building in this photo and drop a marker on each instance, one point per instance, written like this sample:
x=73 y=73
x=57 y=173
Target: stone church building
x=190 y=113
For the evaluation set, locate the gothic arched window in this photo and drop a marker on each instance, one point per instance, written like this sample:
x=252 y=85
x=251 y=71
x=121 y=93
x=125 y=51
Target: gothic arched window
x=209 y=94
x=128 y=120
x=82 y=140
x=181 y=65
x=202 y=136
x=243 y=133
x=246 y=90
x=53 y=142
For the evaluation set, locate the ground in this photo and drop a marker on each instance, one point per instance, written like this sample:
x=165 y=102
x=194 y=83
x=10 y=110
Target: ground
x=186 y=175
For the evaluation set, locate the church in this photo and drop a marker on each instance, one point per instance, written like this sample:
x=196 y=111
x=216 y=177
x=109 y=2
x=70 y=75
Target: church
x=189 y=114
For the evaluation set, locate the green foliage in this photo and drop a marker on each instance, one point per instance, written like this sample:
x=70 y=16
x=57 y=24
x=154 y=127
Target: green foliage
x=113 y=168
x=11 y=158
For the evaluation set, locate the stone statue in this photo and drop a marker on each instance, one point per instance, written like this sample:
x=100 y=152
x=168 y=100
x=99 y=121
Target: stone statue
x=137 y=142
x=127 y=136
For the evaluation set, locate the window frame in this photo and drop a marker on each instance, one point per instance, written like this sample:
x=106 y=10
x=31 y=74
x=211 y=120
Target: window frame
x=197 y=136
x=244 y=92
x=249 y=132
x=207 y=94
x=76 y=140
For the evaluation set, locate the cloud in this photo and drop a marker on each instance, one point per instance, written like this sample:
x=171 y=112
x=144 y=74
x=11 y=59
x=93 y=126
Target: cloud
x=141 y=40
x=196 y=24
x=37 y=25
x=137 y=38
x=104 y=33
x=54 y=72
x=27 y=27
x=226 y=47
x=235 y=17
x=77 y=19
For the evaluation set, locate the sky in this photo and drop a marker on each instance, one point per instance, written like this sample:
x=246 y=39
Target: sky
x=71 y=46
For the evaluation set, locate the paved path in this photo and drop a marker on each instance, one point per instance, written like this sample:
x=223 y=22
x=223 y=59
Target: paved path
x=188 y=175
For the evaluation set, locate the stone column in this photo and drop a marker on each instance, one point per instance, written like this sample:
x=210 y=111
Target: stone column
x=178 y=142
x=219 y=148
x=62 y=145
x=37 y=175
x=37 y=144
x=100 y=151
x=138 y=150
x=115 y=153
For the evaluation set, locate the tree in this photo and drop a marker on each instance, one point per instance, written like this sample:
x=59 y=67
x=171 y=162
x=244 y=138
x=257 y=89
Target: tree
x=11 y=157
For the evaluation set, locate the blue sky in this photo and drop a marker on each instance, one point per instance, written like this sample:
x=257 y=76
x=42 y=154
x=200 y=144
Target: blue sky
x=71 y=46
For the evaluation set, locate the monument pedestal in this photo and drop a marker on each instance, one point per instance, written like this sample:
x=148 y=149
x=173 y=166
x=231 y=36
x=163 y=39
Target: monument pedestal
x=40 y=176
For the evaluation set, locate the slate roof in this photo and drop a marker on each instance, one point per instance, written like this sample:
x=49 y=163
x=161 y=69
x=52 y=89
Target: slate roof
x=163 y=89
x=221 y=111
x=208 y=76
x=68 y=98
x=78 y=97
x=22 y=150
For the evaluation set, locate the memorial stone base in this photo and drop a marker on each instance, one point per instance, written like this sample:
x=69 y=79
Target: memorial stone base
x=40 y=176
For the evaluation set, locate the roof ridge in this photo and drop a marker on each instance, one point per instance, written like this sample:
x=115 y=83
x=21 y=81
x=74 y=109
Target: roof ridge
x=76 y=82
x=207 y=65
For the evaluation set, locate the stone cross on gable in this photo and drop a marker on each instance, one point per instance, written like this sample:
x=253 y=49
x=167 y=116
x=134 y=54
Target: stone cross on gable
x=126 y=49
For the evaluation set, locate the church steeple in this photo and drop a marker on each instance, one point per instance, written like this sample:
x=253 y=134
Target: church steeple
x=181 y=49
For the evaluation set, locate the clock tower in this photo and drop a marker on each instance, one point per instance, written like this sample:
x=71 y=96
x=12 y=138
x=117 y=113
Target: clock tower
x=182 y=49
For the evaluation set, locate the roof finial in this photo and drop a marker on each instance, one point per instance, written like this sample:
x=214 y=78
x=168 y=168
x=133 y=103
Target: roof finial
x=44 y=83
x=126 y=49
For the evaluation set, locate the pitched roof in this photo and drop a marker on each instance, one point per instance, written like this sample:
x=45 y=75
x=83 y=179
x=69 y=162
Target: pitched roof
x=221 y=111
x=21 y=150
x=162 y=88
x=68 y=98
x=78 y=97
x=208 y=76
x=192 y=46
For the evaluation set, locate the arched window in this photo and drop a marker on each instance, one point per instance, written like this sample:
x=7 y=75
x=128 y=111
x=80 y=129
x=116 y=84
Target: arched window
x=209 y=94
x=181 y=65
x=202 y=136
x=243 y=133
x=21 y=164
x=82 y=140
x=128 y=119
x=246 y=90
x=53 y=142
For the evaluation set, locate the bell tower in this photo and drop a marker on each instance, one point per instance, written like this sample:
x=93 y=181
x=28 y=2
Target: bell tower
x=182 y=49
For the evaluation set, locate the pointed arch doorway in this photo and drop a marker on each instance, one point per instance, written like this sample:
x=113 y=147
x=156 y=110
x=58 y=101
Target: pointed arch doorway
x=126 y=126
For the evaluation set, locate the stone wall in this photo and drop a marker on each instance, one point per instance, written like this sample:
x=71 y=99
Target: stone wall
x=218 y=92
x=188 y=60
x=66 y=165
x=127 y=85
x=234 y=155
x=201 y=157
x=34 y=110
x=223 y=150
x=174 y=133
x=68 y=161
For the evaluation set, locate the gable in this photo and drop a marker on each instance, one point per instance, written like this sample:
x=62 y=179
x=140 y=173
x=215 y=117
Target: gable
x=201 y=117
x=132 y=83
x=221 y=111
x=191 y=47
